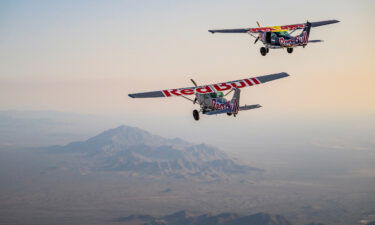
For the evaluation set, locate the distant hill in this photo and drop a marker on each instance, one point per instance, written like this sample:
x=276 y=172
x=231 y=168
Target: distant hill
x=43 y=128
x=139 y=152
x=186 y=218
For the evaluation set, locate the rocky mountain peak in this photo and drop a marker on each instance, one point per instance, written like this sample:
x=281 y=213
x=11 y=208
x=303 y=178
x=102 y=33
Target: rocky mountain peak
x=139 y=152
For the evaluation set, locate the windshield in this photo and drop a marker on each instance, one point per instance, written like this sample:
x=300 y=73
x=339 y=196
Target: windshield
x=214 y=95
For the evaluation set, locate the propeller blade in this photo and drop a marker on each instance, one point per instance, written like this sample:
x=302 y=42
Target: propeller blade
x=195 y=84
x=258 y=24
x=256 y=40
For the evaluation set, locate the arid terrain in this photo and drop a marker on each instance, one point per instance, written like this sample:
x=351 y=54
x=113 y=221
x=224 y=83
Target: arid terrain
x=127 y=171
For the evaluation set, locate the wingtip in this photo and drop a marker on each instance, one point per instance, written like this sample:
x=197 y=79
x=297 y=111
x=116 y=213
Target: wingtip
x=211 y=31
x=286 y=74
x=334 y=21
x=131 y=95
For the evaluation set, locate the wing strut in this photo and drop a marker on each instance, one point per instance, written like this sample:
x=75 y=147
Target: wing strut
x=187 y=98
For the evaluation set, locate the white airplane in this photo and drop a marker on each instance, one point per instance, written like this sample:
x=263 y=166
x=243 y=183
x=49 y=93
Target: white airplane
x=211 y=97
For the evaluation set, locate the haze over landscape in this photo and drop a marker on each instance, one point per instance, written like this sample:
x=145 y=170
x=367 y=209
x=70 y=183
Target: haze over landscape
x=75 y=149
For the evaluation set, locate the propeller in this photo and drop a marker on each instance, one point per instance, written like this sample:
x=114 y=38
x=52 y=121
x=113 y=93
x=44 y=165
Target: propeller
x=257 y=39
x=195 y=84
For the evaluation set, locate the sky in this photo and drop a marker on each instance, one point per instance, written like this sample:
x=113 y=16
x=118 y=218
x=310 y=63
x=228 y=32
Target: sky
x=87 y=56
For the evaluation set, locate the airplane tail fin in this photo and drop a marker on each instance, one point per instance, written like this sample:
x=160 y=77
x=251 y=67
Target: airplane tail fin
x=304 y=36
x=307 y=28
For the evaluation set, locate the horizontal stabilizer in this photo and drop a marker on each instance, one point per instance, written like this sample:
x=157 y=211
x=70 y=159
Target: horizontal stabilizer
x=248 y=107
x=315 y=41
x=241 y=108
x=215 y=112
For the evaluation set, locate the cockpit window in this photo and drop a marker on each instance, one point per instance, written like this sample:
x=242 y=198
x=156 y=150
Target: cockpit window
x=282 y=33
x=214 y=95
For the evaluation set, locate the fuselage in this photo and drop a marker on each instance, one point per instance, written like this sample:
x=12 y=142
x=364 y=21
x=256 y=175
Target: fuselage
x=283 y=39
x=216 y=101
x=212 y=101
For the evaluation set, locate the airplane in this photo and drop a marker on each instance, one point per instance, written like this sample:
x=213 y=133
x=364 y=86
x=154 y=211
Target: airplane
x=277 y=37
x=211 y=98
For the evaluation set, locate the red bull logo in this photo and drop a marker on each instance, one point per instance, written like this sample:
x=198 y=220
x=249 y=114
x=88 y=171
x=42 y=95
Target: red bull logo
x=295 y=41
x=212 y=88
x=231 y=106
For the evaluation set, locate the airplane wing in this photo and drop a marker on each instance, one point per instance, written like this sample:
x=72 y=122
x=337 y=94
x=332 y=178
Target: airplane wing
x=217 y=112
x=204 y=89
x=260 y=29
x=241 y=30
x=274 y=28
x=322 y=23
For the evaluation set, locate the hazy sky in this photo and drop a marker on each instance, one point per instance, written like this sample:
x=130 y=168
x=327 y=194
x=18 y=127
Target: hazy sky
x=86 y=56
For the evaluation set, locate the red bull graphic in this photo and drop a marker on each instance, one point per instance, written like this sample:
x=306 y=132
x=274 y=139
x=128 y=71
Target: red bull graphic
x=230 y=106
x=295 y=41
x=212 y=88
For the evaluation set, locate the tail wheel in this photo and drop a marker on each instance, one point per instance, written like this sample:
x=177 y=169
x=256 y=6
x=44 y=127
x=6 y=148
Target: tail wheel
x=229 y=114
x=196 y=114
x=289 y=50
x=263 y=51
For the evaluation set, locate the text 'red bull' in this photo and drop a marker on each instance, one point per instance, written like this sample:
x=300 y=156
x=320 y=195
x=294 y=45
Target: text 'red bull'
x=212 y=88
x=230 y=106
x=295 y=41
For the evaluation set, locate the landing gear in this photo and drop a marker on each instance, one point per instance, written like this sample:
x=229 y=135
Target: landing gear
x=264 y=51
x=196 y=114
x=289 y=50
x=229 y=114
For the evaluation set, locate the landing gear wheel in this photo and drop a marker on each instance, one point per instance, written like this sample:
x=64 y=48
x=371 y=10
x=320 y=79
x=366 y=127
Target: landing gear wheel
x=229 y=114
x=289 y=50
x=263 y=51
x=196 y=114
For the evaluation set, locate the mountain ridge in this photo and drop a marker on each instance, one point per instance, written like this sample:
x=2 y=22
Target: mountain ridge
x=187 y=218
x=137 y=151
